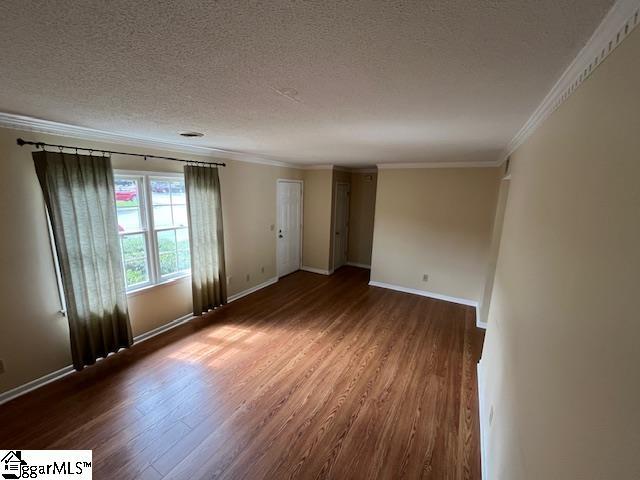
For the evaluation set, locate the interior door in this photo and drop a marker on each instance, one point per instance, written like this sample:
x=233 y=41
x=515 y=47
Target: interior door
x=341 y=229
x=289 y=231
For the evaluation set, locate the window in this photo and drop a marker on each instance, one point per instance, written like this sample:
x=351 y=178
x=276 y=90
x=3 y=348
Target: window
x=169 y=203
x=153 y=227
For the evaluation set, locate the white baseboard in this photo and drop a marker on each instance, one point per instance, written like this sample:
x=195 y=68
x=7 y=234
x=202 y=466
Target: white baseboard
x=248 y=291
x=483 y=422
x=437 y=296
x=317 y=270
x=37 y=383
x=359 y=265
x=58 y=374
x=162 y=328
x=424 y=293
x=63 y=372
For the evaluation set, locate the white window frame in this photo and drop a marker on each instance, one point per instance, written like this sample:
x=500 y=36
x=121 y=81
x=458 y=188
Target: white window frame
x=151 y=241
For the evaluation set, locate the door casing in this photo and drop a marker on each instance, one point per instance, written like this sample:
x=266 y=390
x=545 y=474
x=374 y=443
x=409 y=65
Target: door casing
x=277 y=229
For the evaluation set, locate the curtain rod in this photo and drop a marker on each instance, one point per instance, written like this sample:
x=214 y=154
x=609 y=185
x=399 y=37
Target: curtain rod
x=41 y=145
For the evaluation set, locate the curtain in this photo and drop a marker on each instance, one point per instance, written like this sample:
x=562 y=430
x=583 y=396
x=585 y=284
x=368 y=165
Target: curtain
x=79 y=194
x=208 y=277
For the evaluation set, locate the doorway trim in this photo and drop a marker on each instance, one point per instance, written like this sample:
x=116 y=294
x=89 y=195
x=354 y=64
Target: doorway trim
x=275 y=230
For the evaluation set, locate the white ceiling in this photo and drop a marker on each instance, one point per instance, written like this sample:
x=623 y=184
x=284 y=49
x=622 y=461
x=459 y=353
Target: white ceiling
x=350 y=83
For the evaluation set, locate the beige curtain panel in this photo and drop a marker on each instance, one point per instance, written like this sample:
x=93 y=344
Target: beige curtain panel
x=79 y=193
x=208 y=277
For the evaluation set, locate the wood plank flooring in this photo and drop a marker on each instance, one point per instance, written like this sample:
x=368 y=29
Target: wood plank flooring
x=313 y=377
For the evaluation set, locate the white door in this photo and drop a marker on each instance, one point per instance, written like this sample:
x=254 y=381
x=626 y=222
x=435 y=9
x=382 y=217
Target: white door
x=341 y=229
x=289 y=229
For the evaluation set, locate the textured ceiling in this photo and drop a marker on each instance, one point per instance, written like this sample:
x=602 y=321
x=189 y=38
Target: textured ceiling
x=349 y=83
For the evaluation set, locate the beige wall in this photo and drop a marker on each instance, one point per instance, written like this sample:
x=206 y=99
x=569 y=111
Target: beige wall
x=249 y=207
x=34 y=338
x=562 y=351
x=435 y=221
x=361 y=216
x=316 y=242
x=496 y=237
x=319 y=217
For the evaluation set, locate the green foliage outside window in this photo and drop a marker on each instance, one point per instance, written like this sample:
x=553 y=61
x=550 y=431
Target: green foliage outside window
x=173 y=249
x=173 y=253
x=134 y=253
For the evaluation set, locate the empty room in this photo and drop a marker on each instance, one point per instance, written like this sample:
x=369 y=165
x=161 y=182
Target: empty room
x=320 y=240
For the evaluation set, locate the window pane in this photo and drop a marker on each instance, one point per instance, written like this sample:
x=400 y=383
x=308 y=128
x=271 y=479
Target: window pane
x=160 y=192
x=136 y=273
x=166 y=241
x=182 y=239
x=128 y=204
x=180 y=216
x=134 y=253
x=173 y=251
x=133 y=246
x=129 y=219
x=184 y=261
x=168 y=263
x=167 y=252
x=127 y=194
x=182 y=244
x=178 y=195
x=162 y=216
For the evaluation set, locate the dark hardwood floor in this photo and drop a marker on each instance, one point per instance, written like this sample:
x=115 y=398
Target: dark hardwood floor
x=313 y=377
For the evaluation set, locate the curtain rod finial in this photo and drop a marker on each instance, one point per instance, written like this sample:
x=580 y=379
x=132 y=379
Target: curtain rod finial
x=21 y=142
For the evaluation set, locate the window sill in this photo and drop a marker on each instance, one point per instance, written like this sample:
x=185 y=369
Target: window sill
x=165 y=283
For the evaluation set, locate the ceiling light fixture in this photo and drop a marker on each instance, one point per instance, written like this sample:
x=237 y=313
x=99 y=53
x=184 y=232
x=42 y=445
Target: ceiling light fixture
x=191 y=134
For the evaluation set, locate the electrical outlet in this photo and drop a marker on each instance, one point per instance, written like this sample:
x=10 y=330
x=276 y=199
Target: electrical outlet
x=248 y=277
x=229 y=280
x=491 y=415
x=273 y=227
x=425 y=278
x=1 y=366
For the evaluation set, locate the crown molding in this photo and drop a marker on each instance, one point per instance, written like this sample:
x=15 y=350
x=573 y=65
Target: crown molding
x=614 y=28
x=391 y=166
x=316 y=167
x=21 y=122
x=340 y=168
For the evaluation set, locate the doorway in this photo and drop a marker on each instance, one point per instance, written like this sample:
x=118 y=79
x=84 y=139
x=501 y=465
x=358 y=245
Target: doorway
x=341 y=225
x=289 y=226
